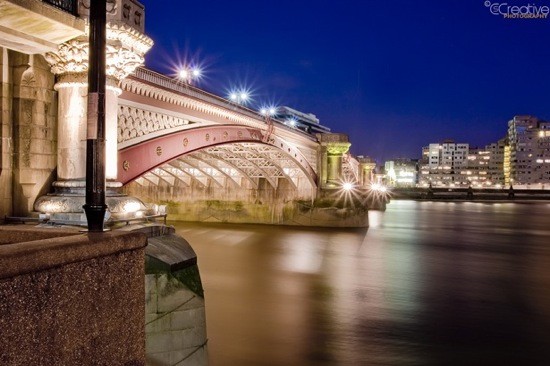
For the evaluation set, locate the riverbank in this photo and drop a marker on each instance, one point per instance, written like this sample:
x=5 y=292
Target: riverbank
x=469 y=194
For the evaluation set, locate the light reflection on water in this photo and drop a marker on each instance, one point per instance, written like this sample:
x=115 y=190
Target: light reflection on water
x=427 y=284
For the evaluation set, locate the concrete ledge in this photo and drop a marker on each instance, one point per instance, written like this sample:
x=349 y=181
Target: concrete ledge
x=18 y=233
x=170 y=253
x=72 y=300
x=39 y=254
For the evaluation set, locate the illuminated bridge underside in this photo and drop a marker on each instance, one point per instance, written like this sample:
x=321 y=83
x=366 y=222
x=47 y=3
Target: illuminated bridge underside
x=216 y=157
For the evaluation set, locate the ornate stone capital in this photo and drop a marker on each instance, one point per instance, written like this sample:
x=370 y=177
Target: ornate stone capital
x=337 y=148
x=71 y=57
x=125 y=50
x=367 y=166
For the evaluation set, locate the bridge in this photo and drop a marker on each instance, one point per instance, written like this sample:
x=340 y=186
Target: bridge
x=167 y=142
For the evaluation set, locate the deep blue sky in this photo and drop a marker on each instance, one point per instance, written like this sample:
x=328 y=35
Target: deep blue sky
x=395 y=75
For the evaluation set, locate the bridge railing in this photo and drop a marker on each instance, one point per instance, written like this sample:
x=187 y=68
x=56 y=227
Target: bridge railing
x=173 y=84
x=70 y=6
x=156 y=78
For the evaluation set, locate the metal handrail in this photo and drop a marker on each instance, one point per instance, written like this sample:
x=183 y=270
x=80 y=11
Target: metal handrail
x=190 y=90
x=70 y=6
x=153 y=77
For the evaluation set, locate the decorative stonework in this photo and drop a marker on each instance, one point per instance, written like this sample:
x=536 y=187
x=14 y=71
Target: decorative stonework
x=28 y=78
x=71 y=57
x=338 y=148
x=128 y=36
x=134 y=122
x=125 y=51
x=350 y=167
x=126 y=48
x=193 y=104
x=333 y=137
x=49 y=204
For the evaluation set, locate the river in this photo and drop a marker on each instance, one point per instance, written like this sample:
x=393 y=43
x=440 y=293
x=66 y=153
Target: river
x=429 y=283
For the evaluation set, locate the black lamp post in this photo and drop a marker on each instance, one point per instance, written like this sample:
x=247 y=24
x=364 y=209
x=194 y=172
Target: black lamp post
x=95 y=206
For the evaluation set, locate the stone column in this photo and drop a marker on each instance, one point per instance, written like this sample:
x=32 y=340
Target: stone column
x=335 y=154
x=72 y=105
x=6 y=147
x=366 y=168
x=125 y=50
x=126 y=47
x=334 y=146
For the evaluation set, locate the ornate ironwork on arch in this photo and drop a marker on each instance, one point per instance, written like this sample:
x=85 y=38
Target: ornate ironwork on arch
x=243 y=151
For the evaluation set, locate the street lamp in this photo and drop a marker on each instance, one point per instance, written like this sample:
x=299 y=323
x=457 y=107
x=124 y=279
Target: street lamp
x=268 y=112
x=188 y=74
x=239 y=97
x=94 y=206
x=292 y=121
x=347 y=186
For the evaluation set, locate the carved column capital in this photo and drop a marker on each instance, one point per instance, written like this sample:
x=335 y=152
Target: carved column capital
x=71 y=57
x=337 y=148
x=367 y=166
x=126 y=48
x=125 y=51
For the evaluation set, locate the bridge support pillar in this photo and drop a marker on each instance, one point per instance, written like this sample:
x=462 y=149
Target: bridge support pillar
x=366 y=169
x=125 y=51
x=333 y=148
x=72 y=128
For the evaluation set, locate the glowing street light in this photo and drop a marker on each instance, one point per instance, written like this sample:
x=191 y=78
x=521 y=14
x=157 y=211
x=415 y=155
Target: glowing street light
x=292 y=121
x=189 y=74
x=239 y=97
x=268 y=111
x=347 y=186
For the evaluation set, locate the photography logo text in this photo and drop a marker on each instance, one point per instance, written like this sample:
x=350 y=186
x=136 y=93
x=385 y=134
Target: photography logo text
x=527 y=11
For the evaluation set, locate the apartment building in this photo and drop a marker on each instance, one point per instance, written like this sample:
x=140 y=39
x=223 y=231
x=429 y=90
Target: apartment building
x=529 y=151
x=442 y=164
x=485 y=167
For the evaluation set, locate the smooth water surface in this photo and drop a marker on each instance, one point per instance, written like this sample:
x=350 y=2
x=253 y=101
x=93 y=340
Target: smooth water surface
x=427 y=284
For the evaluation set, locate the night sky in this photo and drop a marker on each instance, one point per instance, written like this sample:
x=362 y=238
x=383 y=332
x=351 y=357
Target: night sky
x=395 y=75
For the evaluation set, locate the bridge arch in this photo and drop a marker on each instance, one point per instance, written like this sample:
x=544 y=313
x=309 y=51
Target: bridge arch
x=227 y=149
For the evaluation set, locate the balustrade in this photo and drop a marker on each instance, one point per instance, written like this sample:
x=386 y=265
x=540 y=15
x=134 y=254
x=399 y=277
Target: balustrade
x=70 y=6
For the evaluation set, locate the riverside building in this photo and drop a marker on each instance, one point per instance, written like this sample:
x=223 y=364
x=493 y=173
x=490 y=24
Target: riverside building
x=401 y=172
x=485 y=167
x=442 y=164
x=307 y=122
x=529 y=151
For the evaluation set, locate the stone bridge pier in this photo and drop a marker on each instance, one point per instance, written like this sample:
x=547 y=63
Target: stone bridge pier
x=333 y=147
x=125 y=50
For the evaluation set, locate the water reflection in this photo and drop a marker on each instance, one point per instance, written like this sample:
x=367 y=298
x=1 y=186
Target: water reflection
x=428 y=284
